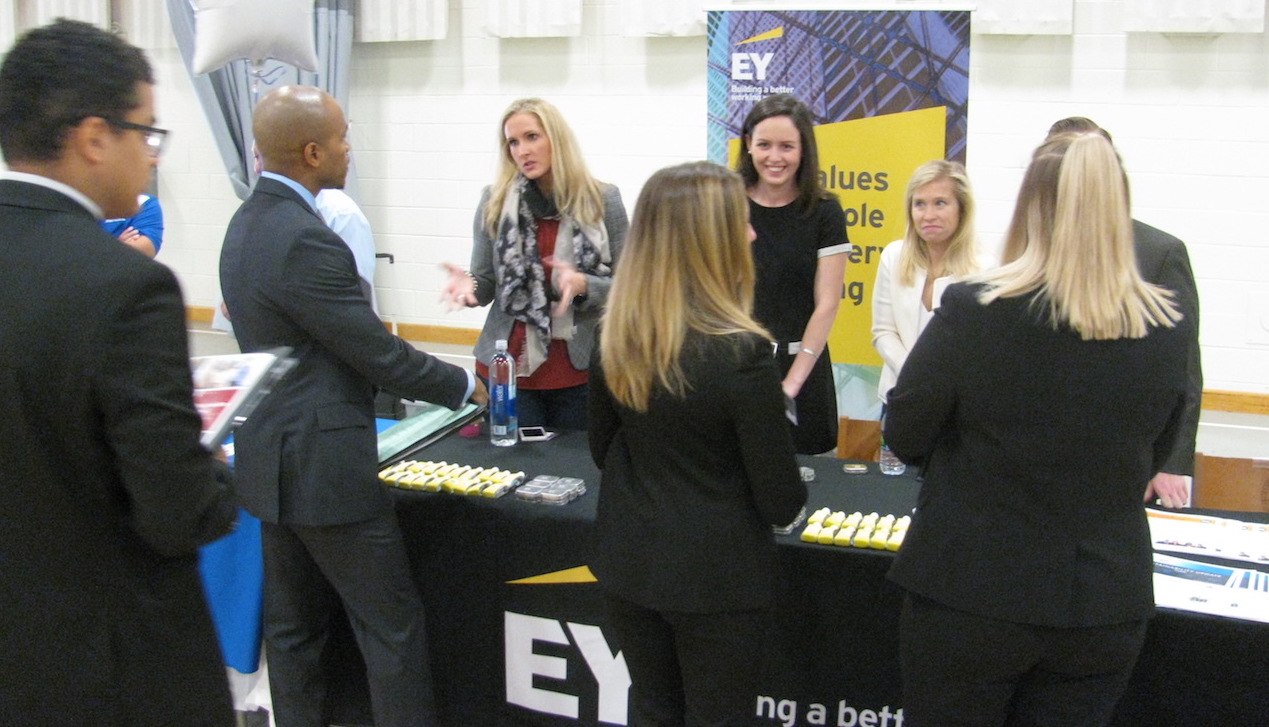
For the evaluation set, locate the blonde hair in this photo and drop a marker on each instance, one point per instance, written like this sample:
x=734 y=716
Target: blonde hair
x=686 y=267
x=1071 y=240
x=961 y=258
x=577 y=194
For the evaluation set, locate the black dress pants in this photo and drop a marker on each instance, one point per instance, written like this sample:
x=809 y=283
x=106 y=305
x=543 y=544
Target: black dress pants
x=690 y=669
x=364 y=565
x=963 y=670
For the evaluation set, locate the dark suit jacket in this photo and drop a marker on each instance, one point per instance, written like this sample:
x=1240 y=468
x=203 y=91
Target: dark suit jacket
x=692 y=486
x=308 y=455
x=1163 y=261
x=1038 y=447
x=105 y=491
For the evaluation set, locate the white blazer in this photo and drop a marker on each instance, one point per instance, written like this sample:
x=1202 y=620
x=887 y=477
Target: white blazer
x=896 y=313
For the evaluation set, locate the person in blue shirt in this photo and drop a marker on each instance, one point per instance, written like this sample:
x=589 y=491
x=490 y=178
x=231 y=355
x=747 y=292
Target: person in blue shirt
x=142 y=231
x=343 y=216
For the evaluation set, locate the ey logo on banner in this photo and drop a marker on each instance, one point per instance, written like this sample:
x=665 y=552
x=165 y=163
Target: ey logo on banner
x=582 y=643
x=747 y=66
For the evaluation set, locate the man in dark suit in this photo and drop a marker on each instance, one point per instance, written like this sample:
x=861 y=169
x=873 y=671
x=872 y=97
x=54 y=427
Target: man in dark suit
x=105 y=491
x=1163 y=260
x=307 y=458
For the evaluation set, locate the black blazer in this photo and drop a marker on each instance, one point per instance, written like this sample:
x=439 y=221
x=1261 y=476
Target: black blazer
x=1163 y=261
x=105 y=491
x=309 y=454
x=692 y=486
x=1038 y=448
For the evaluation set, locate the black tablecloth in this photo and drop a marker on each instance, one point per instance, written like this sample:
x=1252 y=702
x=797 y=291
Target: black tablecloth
x=835 y=645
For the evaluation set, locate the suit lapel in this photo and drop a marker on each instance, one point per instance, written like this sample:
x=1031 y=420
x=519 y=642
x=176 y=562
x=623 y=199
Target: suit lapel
x=264 y=185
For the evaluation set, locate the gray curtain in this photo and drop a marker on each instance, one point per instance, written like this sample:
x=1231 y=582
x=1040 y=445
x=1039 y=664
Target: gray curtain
x=229 y=93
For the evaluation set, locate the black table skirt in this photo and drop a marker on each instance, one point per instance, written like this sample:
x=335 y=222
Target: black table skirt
x=834 y=645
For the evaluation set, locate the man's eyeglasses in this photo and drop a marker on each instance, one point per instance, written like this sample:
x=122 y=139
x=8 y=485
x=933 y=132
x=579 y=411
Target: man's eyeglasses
x=155 y=137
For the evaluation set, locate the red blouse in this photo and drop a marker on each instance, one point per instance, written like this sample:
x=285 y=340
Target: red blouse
x=557 y=371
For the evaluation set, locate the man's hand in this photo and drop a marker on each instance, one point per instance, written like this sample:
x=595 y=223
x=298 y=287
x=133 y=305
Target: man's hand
x=480 y=395
x=1171 y=490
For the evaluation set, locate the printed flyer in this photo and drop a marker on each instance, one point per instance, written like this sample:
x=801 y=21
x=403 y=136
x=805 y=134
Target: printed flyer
x=1218 y=590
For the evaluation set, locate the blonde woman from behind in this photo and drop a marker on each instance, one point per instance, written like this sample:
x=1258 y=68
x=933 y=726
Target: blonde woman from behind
x=1040 y=400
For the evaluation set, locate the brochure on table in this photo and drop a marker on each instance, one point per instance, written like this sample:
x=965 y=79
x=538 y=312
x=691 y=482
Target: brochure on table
x=1217 y=589
x=1214 y=537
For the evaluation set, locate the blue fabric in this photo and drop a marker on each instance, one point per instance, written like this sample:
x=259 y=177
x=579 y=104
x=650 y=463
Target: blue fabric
x=233 y=577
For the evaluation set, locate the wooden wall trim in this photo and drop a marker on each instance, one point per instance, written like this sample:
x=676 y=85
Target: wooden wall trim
x=408 y=331
x=1241 y=402
x=438 y=334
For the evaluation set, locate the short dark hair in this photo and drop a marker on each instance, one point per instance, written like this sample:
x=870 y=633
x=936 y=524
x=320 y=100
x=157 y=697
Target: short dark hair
x=810 y=189
x=59 y=74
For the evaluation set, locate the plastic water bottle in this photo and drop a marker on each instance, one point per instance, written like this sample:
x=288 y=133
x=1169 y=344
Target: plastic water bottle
x=890 y=464
x=504 y=430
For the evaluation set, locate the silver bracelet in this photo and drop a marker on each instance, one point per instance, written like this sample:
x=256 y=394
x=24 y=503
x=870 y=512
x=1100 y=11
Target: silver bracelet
x=810 y=353
x=475 y=284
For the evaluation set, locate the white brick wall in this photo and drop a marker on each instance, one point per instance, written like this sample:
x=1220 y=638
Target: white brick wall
x=1190 y=115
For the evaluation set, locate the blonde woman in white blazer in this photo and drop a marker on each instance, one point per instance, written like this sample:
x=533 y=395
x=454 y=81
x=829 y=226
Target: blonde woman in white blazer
x=938 y=249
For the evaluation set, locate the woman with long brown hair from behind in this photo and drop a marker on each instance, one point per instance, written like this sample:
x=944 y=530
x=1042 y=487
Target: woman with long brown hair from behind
x=687 y=424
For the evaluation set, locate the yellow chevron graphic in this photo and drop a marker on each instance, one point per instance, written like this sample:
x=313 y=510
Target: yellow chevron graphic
x=580 y=574
x=777 y=33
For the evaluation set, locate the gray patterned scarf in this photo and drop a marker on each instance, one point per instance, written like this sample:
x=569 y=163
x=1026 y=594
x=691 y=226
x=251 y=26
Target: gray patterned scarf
x=523 y=290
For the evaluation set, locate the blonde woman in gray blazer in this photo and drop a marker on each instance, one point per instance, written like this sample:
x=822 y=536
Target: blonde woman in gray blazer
x=546 y=238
